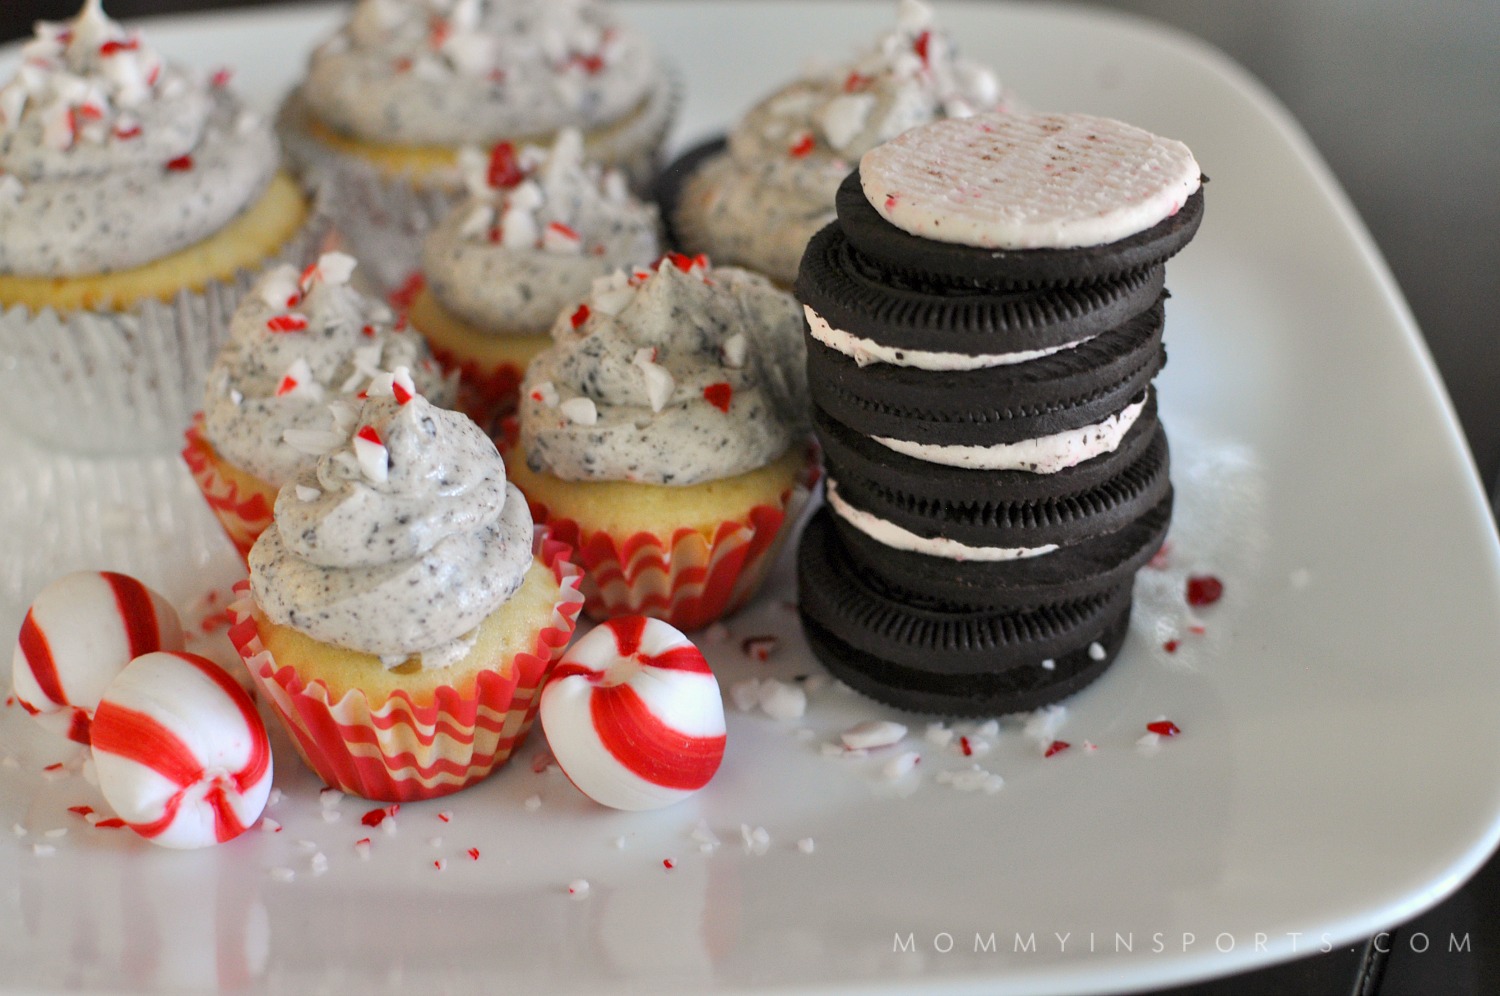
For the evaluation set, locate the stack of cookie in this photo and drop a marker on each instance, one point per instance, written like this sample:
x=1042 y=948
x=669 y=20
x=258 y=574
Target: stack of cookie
x=984 y=324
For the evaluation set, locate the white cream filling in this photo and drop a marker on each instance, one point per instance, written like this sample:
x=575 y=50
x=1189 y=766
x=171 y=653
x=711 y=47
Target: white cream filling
x=891 y=535
x=866 y=351
x=1043 y=455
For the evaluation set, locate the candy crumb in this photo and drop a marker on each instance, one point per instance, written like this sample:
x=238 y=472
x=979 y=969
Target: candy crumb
x=532 y=803
x=875 y=733
x=901 y=765
x=806 y=845
x=578 y=888
x=283 y=874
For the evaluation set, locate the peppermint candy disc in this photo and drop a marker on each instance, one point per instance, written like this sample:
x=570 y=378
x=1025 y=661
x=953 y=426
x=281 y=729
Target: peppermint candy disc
x=634 y=716
x=180 y=751
x=77 y=636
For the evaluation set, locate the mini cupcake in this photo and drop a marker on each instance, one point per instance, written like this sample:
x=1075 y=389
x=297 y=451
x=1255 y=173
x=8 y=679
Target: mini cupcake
x=758 y=202
x=296 y=343
x=401 y=614
x=137 y=200
x=536 y=231
x=394 y=95
x=663 y=437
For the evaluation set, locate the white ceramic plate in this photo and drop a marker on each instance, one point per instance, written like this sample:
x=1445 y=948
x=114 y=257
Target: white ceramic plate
x=1334 y=775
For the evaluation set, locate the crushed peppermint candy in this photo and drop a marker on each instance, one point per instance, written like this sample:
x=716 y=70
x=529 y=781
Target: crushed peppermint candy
x=580 y=410
x=756 y=840
x=901 y=765
x=975 y=779
x=759 y=648
x=806 y=845
x=374 y=459
x=873 y=733
x=578 y=888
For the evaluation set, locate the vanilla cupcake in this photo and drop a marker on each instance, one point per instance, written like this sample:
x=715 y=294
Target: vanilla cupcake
x=296 y=343
x=663 y=437
x=391 y=99
x=538 y=228
x=758 y=202
x=401 y=613
x=137 y=200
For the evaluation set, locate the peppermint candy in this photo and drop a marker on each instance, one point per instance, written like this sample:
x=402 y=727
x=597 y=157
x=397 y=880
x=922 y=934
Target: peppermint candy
x=633 y=715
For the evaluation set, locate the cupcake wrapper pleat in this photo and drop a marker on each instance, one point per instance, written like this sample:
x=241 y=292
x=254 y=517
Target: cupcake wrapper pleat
x=401 y=751
x=244 y=515
x=123 y=382
x=688 y=579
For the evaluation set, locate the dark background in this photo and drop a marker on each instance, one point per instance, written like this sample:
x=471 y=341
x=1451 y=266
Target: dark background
x=1402 y=97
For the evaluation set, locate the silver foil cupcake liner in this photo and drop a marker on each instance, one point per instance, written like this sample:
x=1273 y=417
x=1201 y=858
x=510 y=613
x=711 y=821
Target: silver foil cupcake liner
x=383 y=219
x=106 y=382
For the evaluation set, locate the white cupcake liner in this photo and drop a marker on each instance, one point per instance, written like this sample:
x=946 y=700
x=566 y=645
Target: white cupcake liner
x=383 y=219
x=106 y=382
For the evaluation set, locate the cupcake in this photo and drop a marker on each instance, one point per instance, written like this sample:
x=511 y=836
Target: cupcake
x=663 y=436
x=137 y=201
x=296 y=343
x=391 y=99
x=538 y=228
x=758 y=201
x=401 y=613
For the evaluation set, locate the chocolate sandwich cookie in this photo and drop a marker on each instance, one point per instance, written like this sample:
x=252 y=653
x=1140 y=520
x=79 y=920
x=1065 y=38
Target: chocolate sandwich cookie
x=975 y=514
x=951 y=661
x=876 y=317
x=1067 y=391
x=1019 y=200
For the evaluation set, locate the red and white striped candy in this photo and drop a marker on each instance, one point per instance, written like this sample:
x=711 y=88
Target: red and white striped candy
x=79 y=633
x=634 y=716
x=180 y=751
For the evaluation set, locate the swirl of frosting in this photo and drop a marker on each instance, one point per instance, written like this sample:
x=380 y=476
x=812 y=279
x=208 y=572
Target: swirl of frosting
x=111 y=158
x=450 y=72
x=686 y=374
x=536 y=231
x=296 y=344
x=400 y=541
x=761 y=203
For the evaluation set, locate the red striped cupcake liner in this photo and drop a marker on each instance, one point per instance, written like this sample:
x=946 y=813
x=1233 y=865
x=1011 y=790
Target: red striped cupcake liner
x=688 y=579
x=244 y=516
x=485 y=393
x=399 y=751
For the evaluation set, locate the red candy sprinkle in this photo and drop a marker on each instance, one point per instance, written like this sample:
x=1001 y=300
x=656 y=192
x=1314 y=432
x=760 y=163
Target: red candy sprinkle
x=373 y=818
x=1164 y=727
x=890 y=202
x=369 y=331
x=667 y=864
x=802 y=146
x=963 y=745
x=54 y=766
x=921 y=44
x=126 y=134
x=759 y=647
x=579 y=317
x=474 y=853
x=565 y=231
x=1204 y=589
x=287 y=386
x=1056 y=747
x=369 y=435
x=89 y=112
x=113 y=47
x=287 y=323
x=81 y=810
x=719 y=395
x=505 y=170
x=856 y=81
x=1170 y=646
x=181 y=164
x=591 y=64
x=113 y=823
x=221 y=78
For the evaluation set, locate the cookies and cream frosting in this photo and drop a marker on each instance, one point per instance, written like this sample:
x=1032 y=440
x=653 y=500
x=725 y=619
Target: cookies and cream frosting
x=111 y=158
x=759 y=204
x=450 y=72
x=297 y=343
x=1028 y=181
x=677 y=375
x=538 y=227
x=402 y=538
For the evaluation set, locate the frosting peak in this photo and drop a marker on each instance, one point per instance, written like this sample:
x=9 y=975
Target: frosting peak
x=674 y=375
x=297 y=343
x=538 y=227
x=442 y=72
x=402 y=538
x=114 y=157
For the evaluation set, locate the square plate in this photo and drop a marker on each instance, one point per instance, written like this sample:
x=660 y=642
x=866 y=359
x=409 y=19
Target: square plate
x=1333 y=776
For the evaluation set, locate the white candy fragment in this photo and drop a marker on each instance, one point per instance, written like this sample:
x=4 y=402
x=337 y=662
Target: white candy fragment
x=872 y=734
x=580 y=411
x=901 y=765
x=781 y=700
